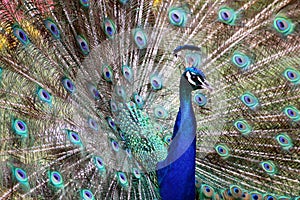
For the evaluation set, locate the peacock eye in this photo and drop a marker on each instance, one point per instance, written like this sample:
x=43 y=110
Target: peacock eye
x=124 y=2
x=82 y=43
x=292 y=75
x=243 y=127
x=222 y=150
x=52 y=27
x=241 y=60
x=140 y=38
x=55 y=179
x=269 y=167
x=68 y=85
x=292 y=113
x=236 y=191
x=115 y=145
x=113 y=106
x=160 y=112
x=227 y=15
x=207 y=191
x=136 y=173
x=177 y=16
x=127 y=73
x=111 y=123
x=20 y=128
x=120 y=91
x=168 y=138
x=109 y=28
x=283 y=25
x=94 y=93
x=200 y=99
x=138 y=100
x=86 y=194
x=21 y=35
x=107 y=73
x=284 y=141
x=44 y=95
x=93 y=124
x=74 y=137
x=20 y=175
x=249 y=100
x=156 y=82
x=122 y=179
x=99 y=163
x=85 y=3
x=255 y=196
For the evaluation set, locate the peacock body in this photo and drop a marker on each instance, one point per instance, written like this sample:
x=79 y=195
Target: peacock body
x=135 y=99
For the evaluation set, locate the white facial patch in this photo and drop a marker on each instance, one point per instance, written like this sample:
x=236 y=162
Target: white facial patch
x=189 y=77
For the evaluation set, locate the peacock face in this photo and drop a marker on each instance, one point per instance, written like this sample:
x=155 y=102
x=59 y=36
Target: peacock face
x=196 y=78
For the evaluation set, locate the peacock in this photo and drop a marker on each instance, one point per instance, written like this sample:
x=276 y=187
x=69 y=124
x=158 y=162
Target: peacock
x=137 y=99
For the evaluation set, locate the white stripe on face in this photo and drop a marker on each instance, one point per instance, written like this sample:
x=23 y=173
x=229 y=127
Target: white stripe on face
x=188 y=74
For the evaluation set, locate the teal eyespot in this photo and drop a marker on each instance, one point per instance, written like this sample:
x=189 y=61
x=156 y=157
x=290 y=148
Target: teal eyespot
x=284 y=141
x=115 y=145
x=52 y=27
x=44 y=95
x=156 y=82
x=120 y=92
x=249 y=100
x=85 y=3
x=200 y=99
x=21 y=35
x=124 y=2
x=136 y=173
x=99 y=163
x=140 y=38
x=138 y=100
x=56 y=179
x=20 y=175
x=168 y=138
x=107 y=73
x=94 y=92
x=243 y=127
x=74 y=138
x=111 y=123
x=269 y=197
x=207 y=191
x=113 y=106
x=283 y=25
x=222 y=150
x=20 y=128
x=86 y=194
x=109 y=28
x=241 y=60
x=193 y=60
x=160 y=112
x=255 y=195
x=93 y=124
x=292 y=113
x=269 y=167
x=122 y=179
x=236 y=191
x=292 y=75
x=83 y=45
x=68 y=85
x=284 y=198
x=227 y=15
x=178 y=16
x=127 y=73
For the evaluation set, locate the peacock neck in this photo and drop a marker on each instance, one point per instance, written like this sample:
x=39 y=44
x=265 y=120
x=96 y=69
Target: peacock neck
x=187 y=112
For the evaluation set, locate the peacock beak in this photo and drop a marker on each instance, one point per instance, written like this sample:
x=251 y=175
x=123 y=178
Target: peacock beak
x=207 y=86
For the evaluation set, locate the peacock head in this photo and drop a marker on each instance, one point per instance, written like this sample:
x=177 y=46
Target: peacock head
x=196 y=79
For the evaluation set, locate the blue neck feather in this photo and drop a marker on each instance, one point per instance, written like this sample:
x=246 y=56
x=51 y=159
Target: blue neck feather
x=176 y=174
